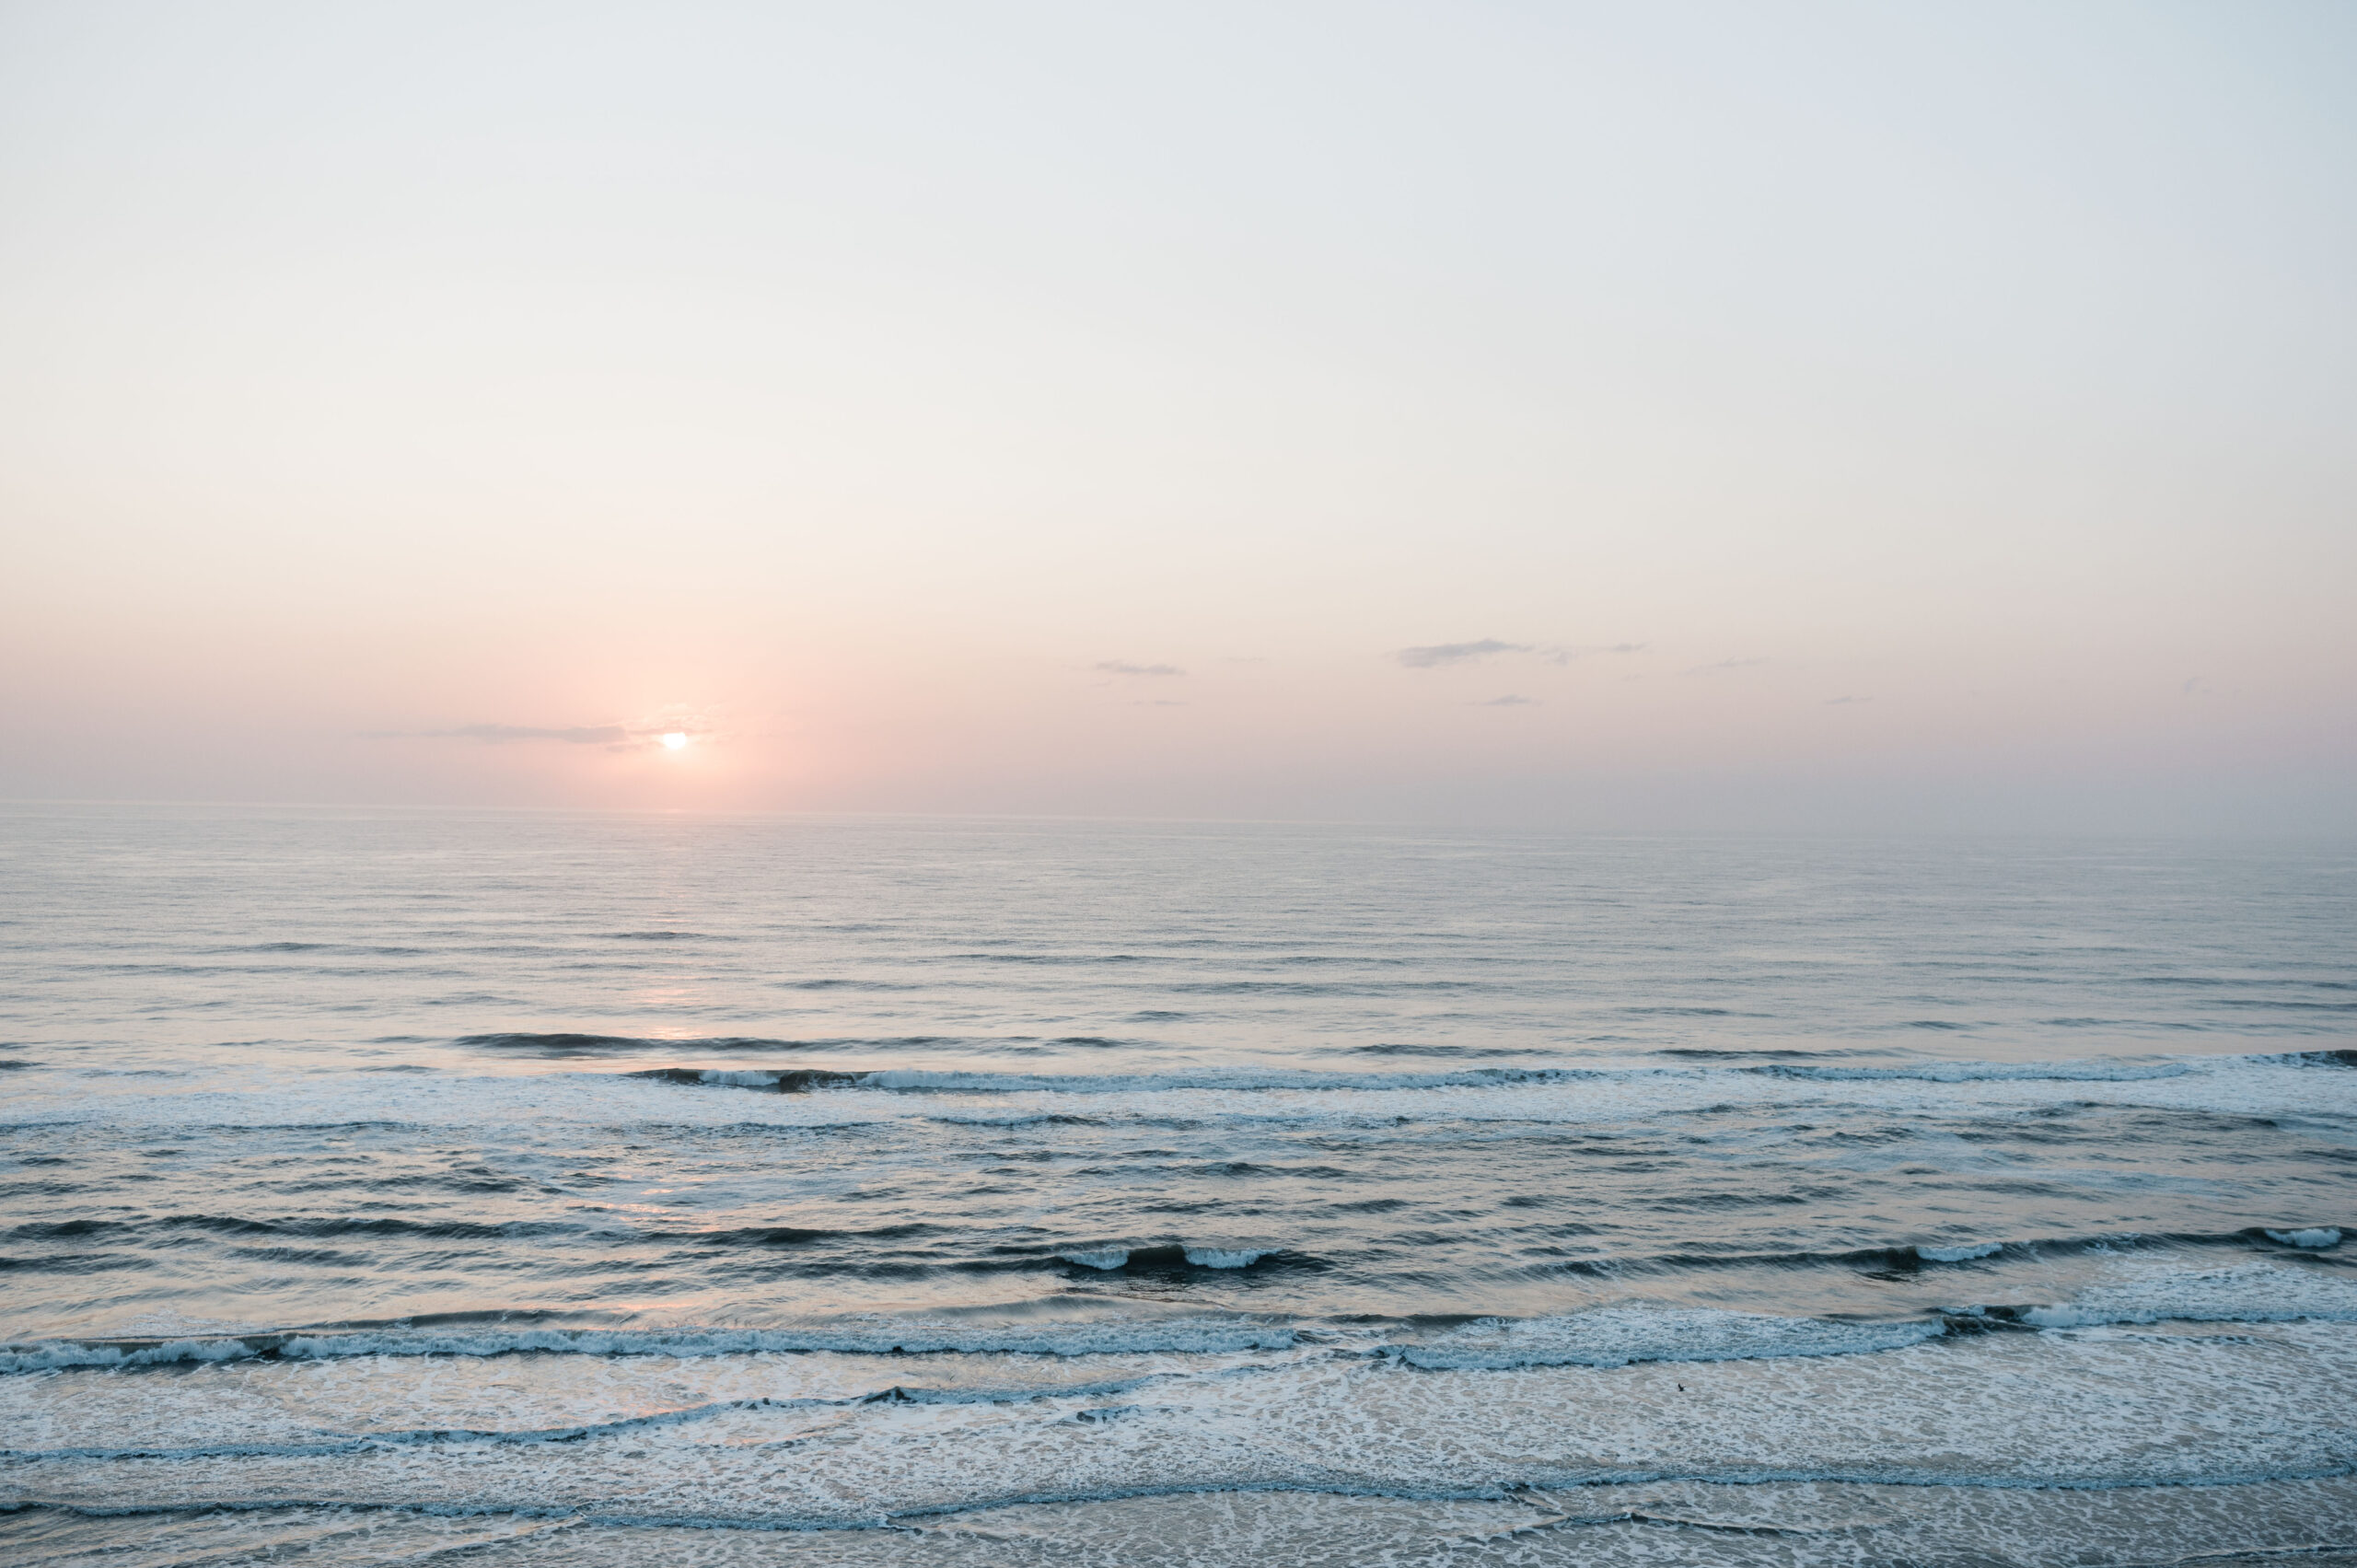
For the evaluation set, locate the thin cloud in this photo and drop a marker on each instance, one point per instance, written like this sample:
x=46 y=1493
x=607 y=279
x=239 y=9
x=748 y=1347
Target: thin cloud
x=1118 y=667
x=1154 y=703
x=612 y=736
x=1440 y=654
x=1506 y=702
x=1837 y=702
x=1723 y=663
x=502 y=734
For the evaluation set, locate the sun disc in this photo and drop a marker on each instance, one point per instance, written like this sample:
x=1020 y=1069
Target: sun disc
x=675 y=740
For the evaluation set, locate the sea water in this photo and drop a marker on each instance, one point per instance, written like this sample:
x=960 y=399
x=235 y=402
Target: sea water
x=652 y=1189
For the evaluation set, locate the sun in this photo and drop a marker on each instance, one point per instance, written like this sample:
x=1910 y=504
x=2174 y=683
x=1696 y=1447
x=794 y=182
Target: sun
x=675 y=740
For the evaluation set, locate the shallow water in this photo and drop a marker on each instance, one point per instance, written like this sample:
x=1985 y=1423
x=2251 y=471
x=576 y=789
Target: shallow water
x=381 y=1183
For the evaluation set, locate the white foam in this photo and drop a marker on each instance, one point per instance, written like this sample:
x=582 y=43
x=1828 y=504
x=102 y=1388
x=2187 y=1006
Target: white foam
x=1959 y=1254
x=2096 y=1070
x=1097 y=1257
x=258 y=1406
x=2318 y=1238
x=865 y=1335
x=1229 y=1257
x=2248 y=1293
x=2100 y=1408
x=1618 y=1336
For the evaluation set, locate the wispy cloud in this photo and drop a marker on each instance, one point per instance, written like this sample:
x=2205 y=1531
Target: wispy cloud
x=1837 y=702
x=1723 y=663
x=612 y=736
x=1507 y=701
x=1154 y=703
x=1120 y=666
x=500 y=734
x=1440 y=654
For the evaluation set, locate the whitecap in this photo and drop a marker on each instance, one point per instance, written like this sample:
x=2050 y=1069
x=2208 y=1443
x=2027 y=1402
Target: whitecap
x=1229 y=1257
x=2316 y=1237
x=2250 y=1293
x=1959 y=1254
x=2091 y=1071
x=1097 y=1257
x=1618 y=1336
x=863 y=1335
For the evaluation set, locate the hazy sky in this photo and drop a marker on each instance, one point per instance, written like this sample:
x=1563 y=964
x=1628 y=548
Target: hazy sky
x=1602 y=415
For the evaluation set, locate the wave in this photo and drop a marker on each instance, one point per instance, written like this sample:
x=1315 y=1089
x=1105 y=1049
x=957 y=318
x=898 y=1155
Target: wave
x=838 y=1250
x=2096 y=1071
x=875 y=1337
x=1228 y=1257
x=938 y=1081
x=314 y=1228
x=1620 y=1336
x=1695 y=1066
x=1908 y=1256
x=561 y=1044
x=364 y=949
x=1230 y=1078
x=1109 y=1258
x=787 y=1080
x=954 y=1081
x=1607 y=1336
x=438 y=1437
x=2304 y=1059
x=1599 y=1337
x=2247 y=1293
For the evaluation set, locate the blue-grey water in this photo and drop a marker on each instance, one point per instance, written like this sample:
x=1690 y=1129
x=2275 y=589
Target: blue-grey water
x=643 y=1189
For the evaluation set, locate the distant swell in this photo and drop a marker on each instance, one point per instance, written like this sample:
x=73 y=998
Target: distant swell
x=2095 y=1072
x=797 y=1080
x=791 y=1081
x=563 y=1044
x=918 y=1080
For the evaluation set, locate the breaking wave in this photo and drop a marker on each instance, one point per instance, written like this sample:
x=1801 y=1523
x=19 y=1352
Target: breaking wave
x=1618 y=1336
x=875 y=1337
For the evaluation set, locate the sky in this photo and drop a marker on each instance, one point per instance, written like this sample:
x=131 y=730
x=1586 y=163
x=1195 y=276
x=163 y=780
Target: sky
x=1626 y=417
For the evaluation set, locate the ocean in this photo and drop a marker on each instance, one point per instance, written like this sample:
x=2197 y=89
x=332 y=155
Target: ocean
x=382 y=1185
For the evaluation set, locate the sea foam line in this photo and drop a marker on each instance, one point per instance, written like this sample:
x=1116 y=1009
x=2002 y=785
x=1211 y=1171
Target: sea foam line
x=905 y=1339
x=361 y=1441
x=1615 y=1335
